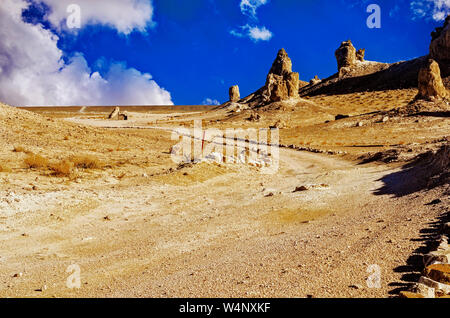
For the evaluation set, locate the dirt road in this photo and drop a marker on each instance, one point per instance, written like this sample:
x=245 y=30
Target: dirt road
x=215 y=231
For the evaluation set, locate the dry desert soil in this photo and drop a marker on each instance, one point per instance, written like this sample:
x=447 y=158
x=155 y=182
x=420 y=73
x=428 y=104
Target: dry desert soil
x=105 y=195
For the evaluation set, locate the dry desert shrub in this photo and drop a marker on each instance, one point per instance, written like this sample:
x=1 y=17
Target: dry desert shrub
x=34 y=161
x=86 y=162
x=61 y=169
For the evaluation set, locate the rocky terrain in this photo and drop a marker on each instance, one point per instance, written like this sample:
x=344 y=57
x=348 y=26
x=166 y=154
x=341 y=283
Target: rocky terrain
x=359 y=205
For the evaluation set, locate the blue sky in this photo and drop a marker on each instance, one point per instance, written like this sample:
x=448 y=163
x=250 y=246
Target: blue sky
x=194 y=50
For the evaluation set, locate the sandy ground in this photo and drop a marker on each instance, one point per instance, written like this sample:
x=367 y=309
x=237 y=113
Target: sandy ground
x=143 y=227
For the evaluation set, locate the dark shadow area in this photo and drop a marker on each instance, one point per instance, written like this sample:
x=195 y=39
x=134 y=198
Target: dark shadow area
x=411 y=272
x=427 y=171
x=432 y=114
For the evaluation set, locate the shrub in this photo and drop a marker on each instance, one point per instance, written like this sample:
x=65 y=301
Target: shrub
x=35 y=161
x=63 y=168
x=86 y=162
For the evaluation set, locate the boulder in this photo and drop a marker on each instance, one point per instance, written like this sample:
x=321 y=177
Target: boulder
x=346 y=55
x=438 y=272
x=438 y=286
x=235 y=96
x=430 y=82
x=440 y=47
x=436 y=257
x=123 y=116
x=114 y=114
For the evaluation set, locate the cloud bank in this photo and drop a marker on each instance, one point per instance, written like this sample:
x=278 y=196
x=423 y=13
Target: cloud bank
x=33 y=72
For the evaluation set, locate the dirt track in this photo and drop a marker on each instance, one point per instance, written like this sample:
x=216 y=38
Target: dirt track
x=190 y=233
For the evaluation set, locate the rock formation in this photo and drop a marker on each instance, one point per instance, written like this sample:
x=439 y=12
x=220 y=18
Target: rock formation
x=430 y=82
x=360 y=55
x=315 y=80
x=346 y=55
x=281 y=82
x=440 y=47
x=235 y=96
x=117 y=115
x=114 y=114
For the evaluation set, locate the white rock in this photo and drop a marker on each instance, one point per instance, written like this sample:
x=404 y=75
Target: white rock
x=424 y=290
x=436 y=285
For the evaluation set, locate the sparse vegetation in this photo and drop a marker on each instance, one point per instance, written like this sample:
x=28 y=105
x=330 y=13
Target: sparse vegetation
x=61 y=169
x=34 y=161
x=86 y=162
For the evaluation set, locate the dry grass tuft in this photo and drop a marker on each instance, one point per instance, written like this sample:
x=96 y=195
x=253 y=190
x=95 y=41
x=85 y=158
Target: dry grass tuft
x=61 y=169
x=86 y=162
x=34 y=161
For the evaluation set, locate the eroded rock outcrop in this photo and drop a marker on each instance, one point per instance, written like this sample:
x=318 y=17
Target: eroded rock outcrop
x=349 y=59
x=281 y=82
x=440 y=47
x=430 y=82
x=117 y=115
x=360 y=55
x=346 y=55
x=114 y=114
x=235 y=96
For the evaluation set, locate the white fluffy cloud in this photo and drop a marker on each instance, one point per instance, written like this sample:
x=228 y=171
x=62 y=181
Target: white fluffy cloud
x=123 y=15
x=259 y=34
x=438 y=10
x=249 y=7
x=32 y=71
x=210 y=101
x=253 y=32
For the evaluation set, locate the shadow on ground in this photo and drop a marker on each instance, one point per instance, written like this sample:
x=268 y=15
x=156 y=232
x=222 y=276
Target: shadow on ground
x=411 y=272
x=427 y=171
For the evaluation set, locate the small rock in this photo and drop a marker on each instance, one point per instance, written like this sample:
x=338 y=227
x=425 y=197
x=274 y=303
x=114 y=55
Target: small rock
x=300 y=189
x=357 y=286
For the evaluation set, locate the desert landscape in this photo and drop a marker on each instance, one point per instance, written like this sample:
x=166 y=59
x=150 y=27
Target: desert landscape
x=358 y=205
